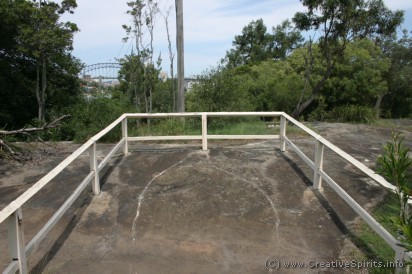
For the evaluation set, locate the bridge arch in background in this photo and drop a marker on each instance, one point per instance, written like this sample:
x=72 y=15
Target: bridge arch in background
x=101 y=71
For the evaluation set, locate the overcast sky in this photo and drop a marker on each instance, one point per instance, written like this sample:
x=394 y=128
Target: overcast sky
x=209 y=27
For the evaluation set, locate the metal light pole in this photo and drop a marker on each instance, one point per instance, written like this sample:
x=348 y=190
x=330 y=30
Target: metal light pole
x=180 y=57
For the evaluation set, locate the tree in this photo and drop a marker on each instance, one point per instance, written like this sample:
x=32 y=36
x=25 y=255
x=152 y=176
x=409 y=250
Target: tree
x=141 y=68
x=219 y=89
x=133 y=66
x=18 y=66
x=398 y=100
x=339 y=23
x=44 y=39
x=359 y=77
x=269 y=84
x=257 y=45
x=286 y=38
x=152 y=73
x=131 y=77
x=254 y=45
x=64 y=85
x=163 y=100
x=16 y=104
x=171 y=57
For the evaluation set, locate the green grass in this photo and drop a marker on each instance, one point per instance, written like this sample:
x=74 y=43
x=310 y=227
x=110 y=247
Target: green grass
x=244 y=128
x=165 y=127
x=174 y=126
x=372 y=245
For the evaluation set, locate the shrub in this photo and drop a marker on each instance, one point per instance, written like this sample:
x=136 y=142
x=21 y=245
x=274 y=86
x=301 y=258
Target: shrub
x=395 y=165
x=90 y=116
x=352 y=114
x=319 y=114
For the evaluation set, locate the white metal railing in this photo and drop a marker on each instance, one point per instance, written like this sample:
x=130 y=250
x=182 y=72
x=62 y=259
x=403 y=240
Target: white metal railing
x=13 y=212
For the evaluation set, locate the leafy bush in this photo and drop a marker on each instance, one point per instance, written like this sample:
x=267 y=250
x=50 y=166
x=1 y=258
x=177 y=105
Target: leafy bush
x=319 y=114
x=352 y=114
x=219 y=90
x=90 y=116
x=165 y=127
x=395 y=165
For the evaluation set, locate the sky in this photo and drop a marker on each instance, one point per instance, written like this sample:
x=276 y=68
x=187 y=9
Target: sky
x=209 y=28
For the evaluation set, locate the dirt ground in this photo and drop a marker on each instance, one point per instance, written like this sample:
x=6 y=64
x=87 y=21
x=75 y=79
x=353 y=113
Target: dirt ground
x=240 y=207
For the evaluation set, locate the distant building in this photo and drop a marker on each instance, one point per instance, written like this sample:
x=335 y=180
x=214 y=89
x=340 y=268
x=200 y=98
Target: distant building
x=190 y=82
x=163 y=76
x=110 y=83
x=87 y=77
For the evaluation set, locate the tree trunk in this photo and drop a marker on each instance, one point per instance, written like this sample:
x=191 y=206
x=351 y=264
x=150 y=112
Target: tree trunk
x=300 y=108
x=172 y=86
x=150 y=101
x=41 y=85
x=137 y=105
x=330 y=64
x=150 y=105
x=43 y=89
x=146 y=104
x=135 y=100
x=180 y=57
x=378 y=105
x=171 y=57
x=38 y=92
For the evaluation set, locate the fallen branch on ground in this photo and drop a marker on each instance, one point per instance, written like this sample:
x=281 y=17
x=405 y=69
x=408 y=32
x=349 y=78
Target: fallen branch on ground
x=6 y=147
x=24 y=130
x=7 y=152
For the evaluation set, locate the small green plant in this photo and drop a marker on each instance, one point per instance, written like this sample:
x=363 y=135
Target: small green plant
x=395 y=165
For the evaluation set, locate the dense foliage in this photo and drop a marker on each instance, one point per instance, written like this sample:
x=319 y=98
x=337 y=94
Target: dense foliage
x=256 y=44
x=365 y=80
x=88 y=117
x=351 y=67
x=398 y=101
x=356 y=67
x=38 y=74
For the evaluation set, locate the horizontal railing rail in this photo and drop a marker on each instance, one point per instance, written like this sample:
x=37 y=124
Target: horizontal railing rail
x=319 y=174
x=13 y=212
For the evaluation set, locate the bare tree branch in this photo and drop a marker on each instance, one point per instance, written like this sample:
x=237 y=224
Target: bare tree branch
x=24 y=130
x=6 y=147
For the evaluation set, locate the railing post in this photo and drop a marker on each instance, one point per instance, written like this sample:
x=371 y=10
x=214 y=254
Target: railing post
x=317 y=179
x=94 y=168
x=282 y=133
x=400 y=255
x=16 y=240
x=204 y=131
x=125 y=135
